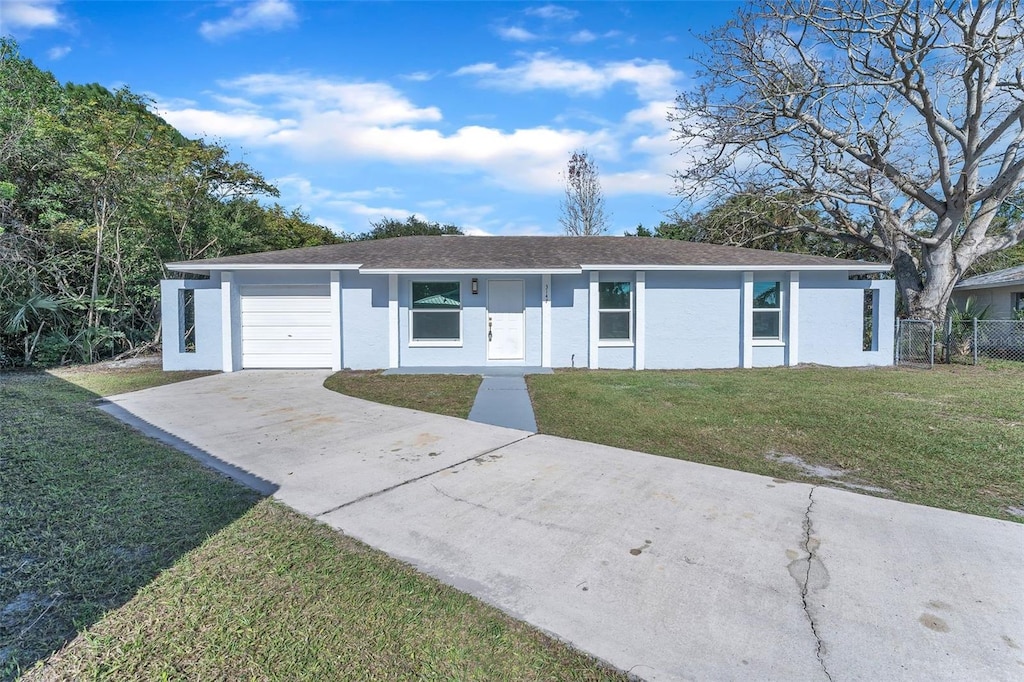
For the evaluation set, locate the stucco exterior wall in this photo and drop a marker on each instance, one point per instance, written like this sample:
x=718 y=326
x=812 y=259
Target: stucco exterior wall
x=570 y=320
x=364 y=320
x=473 y=348
x=207 y=306
x=832 y=320
x=693 y=320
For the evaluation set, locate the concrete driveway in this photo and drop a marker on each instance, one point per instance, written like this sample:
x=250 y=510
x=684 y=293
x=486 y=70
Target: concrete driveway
x=667 y=569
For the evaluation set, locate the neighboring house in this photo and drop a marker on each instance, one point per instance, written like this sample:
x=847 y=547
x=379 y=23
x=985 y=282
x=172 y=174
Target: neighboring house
x=1002 y=291
x=598 y=302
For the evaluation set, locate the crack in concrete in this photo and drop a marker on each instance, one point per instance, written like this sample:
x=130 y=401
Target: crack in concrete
x=465 y=501
x=805 y=587
x=421 y=477
x=504 y=515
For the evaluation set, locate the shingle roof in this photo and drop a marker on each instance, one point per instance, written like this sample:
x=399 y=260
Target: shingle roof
x=999 y=278
x=521 y=253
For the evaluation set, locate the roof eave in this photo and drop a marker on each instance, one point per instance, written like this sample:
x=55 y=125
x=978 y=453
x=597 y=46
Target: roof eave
x=860 y=267
x=963 y=286
x=198 y=268
x=470 y=271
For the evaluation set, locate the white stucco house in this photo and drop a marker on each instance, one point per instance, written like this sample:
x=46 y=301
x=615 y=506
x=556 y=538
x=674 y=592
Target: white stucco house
x=598 y=302
x=1001 y=291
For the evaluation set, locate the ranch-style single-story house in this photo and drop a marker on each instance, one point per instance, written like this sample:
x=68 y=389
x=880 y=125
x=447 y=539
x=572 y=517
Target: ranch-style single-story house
x=598 y=302
x=1001 y=291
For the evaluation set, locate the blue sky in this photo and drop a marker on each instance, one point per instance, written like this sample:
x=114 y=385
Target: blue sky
x=457 y=112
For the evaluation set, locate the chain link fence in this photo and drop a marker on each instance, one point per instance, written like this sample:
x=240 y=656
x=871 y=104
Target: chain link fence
x=972 y=341
x=915 y=342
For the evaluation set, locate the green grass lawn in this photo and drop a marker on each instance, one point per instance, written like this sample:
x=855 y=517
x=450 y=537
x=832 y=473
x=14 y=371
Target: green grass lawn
x=449 y=394
x=166 y=570
x=949 y=437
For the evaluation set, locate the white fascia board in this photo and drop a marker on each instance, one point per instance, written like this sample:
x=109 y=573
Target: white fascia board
x=867 y=267
x=206 y=269
x=470 y=271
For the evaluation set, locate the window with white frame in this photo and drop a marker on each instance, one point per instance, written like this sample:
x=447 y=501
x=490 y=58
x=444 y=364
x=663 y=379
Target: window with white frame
x=767 y=310
x=436 y=313
x=615 y=311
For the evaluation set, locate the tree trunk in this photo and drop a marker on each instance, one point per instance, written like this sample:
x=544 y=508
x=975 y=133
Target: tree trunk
x=931 y=300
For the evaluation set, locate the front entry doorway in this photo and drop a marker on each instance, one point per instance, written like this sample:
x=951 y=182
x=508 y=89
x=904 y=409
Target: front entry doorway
x=506 y=320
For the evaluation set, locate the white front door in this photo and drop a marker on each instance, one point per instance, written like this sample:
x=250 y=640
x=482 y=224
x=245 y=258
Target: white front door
x=506 y=323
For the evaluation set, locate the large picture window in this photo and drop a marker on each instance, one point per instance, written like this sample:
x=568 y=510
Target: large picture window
x=767 y=310
x=436 y=312
x=615 y=310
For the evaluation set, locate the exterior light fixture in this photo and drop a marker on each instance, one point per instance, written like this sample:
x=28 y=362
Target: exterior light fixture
x=475 y=286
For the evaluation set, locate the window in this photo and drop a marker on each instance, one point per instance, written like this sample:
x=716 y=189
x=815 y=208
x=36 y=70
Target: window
x=186 y=321
x=767 y=310
x=1018 y=303
x=615 y=310
x=869 y=340
x=436 y=313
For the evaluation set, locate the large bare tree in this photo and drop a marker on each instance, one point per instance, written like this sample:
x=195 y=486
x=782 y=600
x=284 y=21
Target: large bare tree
x=583 y=205
x=903 y=120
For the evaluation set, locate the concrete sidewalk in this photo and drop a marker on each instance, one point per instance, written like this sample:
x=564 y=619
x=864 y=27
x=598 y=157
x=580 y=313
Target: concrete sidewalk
x=504 y=401
x=667 y=569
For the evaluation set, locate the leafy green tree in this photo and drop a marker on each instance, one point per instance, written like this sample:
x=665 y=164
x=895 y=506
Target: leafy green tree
x=387 y=228
x=96 y=193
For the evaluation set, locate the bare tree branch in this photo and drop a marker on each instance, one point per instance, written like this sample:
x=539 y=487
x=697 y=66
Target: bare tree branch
x=902 y=120
x=583 y=205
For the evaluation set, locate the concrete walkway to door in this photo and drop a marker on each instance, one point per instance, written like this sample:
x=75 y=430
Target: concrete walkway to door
x=668 y=569
x=501 y=400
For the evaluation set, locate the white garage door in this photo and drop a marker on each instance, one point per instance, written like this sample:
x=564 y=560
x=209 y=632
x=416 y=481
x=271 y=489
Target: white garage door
x=286 y=326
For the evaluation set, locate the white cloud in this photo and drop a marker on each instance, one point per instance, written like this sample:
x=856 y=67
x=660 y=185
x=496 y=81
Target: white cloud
x=515 y=33
x=581 y=37
x=322 y=119
x=652 y=78
x=420 y=76
x=354 y=102
x=58 y=52
x=653 y=114
x=234 y=125
x=552 y=13
x=264 y=15
x=326 y=120
x=31 y=14
x=234 y=102
x=637 y=182
x=306 y=191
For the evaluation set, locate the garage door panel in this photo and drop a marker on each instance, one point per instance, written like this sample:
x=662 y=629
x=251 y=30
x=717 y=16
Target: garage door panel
x=287 y=347
x=287 y=326
x=283 y=333
x=285 y=290
x=255 y=320
x=284 y=304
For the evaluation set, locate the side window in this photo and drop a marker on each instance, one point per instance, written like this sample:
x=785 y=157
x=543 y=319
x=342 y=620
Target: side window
x=186 y=321
x=615 y=310
x=767 y=310
x=869 y=339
